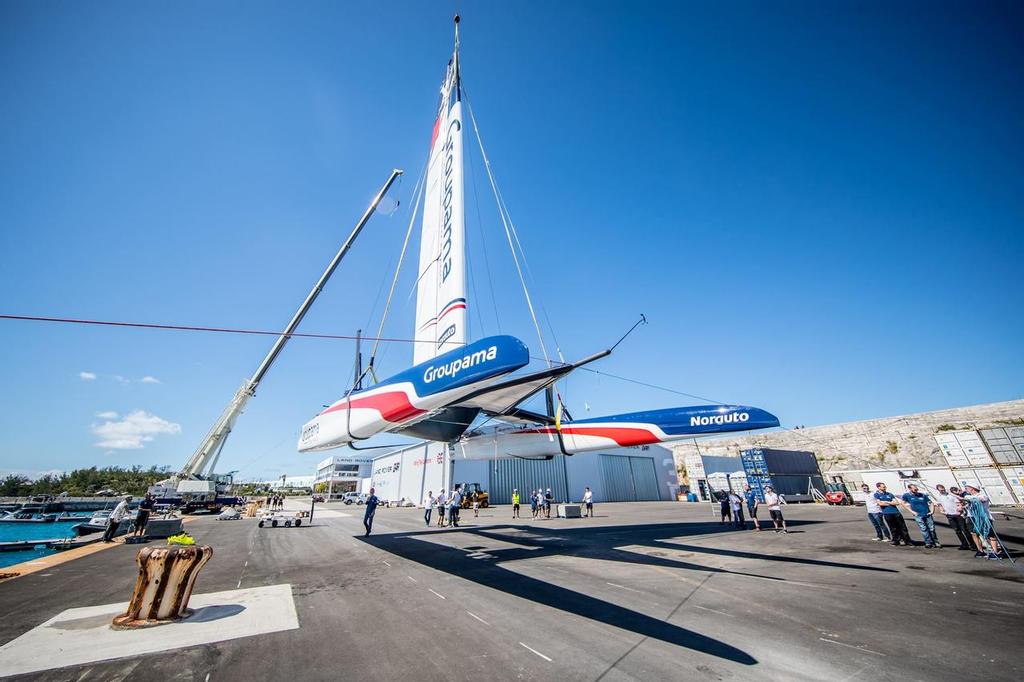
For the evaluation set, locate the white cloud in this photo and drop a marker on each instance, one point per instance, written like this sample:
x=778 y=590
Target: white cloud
x=86 y=376
x=132 y=430
x=150 y=380
x=109 y=414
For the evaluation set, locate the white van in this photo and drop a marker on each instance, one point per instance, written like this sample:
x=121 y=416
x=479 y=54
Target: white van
x=354 y=498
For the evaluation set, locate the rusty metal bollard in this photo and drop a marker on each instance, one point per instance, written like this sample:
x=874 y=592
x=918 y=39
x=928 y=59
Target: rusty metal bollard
x=162 y=591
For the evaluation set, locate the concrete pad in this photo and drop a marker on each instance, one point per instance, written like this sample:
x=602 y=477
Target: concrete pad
x=83 y=635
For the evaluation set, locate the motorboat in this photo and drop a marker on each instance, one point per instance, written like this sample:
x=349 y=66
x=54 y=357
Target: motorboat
x=27 y=517
x=97 y=523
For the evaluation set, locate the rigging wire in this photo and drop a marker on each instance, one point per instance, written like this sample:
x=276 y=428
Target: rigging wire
x=417 y=192
x=508 y=234
x=483 y=243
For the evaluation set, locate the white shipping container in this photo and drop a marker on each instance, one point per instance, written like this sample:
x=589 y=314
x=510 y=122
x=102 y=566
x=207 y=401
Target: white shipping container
x=956 y=458
x=736 y=482
x=694 y=466
x=969 y=439
x=1015 y=477
x=990 y=481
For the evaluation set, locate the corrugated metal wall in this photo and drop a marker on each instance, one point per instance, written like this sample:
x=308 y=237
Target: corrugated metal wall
x=526 y=475
x=618 y=479
x=645 y=480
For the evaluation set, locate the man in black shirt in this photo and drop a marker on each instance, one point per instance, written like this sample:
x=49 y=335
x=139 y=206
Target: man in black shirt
x=145 y=508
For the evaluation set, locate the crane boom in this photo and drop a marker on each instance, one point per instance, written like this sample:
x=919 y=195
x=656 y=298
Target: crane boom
x=202 y=461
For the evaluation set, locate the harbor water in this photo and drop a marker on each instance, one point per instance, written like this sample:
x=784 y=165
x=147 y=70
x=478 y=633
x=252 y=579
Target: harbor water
x=14 y=532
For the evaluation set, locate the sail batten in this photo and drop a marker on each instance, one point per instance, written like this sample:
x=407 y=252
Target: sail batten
x=441 y=284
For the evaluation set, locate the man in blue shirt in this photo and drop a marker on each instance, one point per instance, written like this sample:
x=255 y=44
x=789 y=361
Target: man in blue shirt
x=371 y=509
x=921 y=506
x=892 y=516
x=751 y=497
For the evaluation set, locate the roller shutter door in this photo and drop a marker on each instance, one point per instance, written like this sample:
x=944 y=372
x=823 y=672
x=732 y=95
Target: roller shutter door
x=645 y=481
x=526 y=475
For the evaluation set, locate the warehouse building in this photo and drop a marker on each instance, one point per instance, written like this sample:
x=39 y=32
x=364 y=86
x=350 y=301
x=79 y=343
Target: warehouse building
x=618 y=475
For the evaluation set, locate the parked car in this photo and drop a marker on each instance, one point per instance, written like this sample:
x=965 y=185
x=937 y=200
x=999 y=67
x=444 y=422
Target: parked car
x=354 y=498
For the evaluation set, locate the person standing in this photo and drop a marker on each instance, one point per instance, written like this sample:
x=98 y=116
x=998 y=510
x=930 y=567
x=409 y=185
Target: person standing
x=921 y=506
x=371 y=509
x=515 y=503
x=981 y=522
x=113 y=523
x=145 y=508
x=723 y=503
x=752 y=502
x=476 y=506
x=892 y=516
x=533 y=503
x=774 y=502
x=875 y=515
x=548 y=498
x=441 y=502
x=736 y=506
x=428 y=506
x=588 y=502
x=453 y=507
x=953 y=508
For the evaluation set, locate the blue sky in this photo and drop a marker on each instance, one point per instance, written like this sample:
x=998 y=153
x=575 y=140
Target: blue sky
x=816 y=205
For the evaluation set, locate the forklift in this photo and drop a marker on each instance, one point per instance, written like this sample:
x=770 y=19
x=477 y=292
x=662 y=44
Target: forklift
x=473 y=492
x=837 y=494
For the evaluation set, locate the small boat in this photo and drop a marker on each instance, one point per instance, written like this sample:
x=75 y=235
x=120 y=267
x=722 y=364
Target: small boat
x=97 y=523
x=27 y=517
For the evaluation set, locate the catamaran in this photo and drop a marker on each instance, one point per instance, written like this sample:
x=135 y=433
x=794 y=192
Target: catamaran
x=454 y=380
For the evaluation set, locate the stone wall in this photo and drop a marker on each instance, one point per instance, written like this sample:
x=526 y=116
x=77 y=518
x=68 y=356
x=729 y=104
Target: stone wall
x=891 y=442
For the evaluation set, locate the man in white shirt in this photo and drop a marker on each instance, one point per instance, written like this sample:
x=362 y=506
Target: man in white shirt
x=428 y=506
x=774 y=502
x=736 y=504
x=953 y=508
x=116 y=516
x=588 y=501
x=875 y=515
x=454 y=503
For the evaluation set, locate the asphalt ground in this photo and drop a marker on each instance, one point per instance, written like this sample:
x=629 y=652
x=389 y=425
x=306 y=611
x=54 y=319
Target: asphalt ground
x=646 y=591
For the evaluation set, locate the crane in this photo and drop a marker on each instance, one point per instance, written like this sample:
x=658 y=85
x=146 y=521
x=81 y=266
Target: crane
x=195 y=483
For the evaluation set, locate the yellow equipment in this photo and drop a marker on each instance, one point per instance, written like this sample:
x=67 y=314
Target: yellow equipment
x=472 y=492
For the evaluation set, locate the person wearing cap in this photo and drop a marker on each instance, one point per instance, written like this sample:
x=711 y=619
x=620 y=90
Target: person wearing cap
x=953 y=508
x=548 y=497
x=515 y=503
x=875 y=515
x=774 y=501
x=120 y=512
x=980 y=522
x=892 y=516
x=921 y=506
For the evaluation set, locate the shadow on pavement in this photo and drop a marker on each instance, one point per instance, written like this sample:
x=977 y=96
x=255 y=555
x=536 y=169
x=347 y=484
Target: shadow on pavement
x=483 y=566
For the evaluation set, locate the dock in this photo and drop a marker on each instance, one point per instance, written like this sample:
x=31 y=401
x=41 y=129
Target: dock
x=642 y=591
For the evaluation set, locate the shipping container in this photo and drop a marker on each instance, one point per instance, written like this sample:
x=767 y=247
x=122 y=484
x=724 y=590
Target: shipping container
x=990 y=480
x=1003 y=450
x=963 y=449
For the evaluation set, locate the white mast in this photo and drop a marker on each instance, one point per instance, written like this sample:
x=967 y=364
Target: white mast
x=441 y=284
